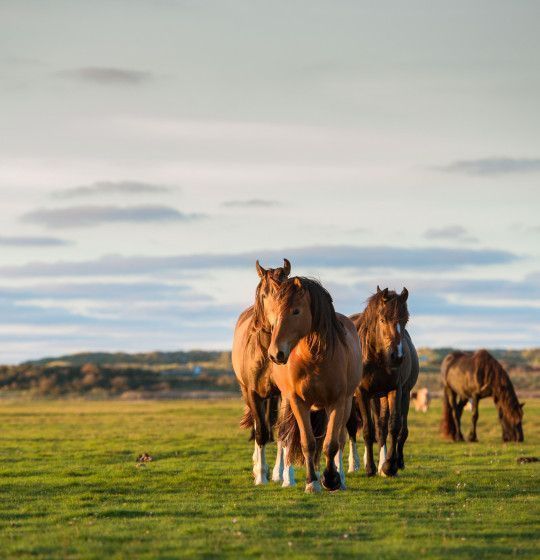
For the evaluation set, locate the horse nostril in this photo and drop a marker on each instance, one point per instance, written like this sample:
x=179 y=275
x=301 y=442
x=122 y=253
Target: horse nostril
x=280 y=356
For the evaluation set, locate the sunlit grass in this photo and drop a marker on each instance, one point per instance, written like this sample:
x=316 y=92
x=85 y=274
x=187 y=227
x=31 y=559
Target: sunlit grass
x=70 y=489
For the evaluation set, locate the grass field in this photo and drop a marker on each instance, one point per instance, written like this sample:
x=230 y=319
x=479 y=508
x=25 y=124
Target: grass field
x=70 y=489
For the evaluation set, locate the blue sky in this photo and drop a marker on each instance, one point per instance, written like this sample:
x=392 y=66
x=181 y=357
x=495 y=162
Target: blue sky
x=151 y=151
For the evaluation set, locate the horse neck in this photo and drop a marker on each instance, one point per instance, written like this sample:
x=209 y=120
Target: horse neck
x=505 y=395
x=369 y=341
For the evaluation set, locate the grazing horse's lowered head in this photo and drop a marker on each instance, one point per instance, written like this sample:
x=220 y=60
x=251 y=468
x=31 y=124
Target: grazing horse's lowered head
x=383 y=325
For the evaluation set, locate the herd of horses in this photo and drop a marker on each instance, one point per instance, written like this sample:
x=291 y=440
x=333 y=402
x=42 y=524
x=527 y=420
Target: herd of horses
x=311 y=377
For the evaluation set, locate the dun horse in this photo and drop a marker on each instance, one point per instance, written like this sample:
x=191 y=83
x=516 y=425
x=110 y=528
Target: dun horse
x=391 y=369
x=252 y=369
x=475 y=376
x=317 y=367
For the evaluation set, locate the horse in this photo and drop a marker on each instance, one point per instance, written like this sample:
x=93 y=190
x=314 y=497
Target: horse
x=317 y=366
x=252 y=369
x=421 y=399
x=391 y=368
x=474 y=376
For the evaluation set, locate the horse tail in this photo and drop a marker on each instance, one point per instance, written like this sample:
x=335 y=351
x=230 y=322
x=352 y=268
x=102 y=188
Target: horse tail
x=247 y=422
x=289 y=432
x=354 y=423
x=448 y=428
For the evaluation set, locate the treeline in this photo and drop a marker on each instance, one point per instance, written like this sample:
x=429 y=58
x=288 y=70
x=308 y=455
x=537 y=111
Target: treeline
x=172 y=373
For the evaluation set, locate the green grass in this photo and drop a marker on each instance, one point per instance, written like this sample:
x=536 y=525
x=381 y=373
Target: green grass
x=70 y=489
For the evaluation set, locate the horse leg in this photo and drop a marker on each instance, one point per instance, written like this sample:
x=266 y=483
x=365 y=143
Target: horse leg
x=262 y=436
x=474 y=419
x=456 y=415
x=307 y=441
x=381 y=415
x=331 y=478
x=404 y=432
x=352 y=429
x=368 y=431
x=339 y=457
x=390 y=467
x=277 y=471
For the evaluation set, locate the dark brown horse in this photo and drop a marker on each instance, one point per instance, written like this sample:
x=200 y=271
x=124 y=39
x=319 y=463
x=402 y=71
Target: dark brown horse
x=475 y=376
x=317 y=367
x=391 y=369
x=252 y=368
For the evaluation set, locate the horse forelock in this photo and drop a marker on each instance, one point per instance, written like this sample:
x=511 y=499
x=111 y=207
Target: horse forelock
x=394 y=309
x=325 y=326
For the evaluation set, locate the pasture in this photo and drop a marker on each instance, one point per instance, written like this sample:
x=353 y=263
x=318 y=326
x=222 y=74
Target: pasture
x=70 y=489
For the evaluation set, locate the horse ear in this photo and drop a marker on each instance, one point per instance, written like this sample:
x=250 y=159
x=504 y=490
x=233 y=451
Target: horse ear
x=298 y=282
x=404 y=294
x=260 y=270
x=378 y=289
x=286 y=267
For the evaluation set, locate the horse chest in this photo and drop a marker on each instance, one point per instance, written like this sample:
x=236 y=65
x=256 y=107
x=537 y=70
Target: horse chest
x=379 y=381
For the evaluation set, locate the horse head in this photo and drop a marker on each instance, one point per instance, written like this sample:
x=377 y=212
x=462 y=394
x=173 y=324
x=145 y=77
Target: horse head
x=270 y=279
x=392 y=316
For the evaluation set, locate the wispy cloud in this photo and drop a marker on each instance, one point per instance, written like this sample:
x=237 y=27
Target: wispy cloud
x=450 y=232
x=85 y=216
x=36 y=241
x=251 y=203
x=492 y=166
x=106 y=75
x=339 y=256
x=111 y=188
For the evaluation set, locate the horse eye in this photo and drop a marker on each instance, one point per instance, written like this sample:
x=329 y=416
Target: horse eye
x=296 y=312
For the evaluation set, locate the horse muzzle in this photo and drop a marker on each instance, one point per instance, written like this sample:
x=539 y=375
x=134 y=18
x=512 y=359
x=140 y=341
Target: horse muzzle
x=279 y=357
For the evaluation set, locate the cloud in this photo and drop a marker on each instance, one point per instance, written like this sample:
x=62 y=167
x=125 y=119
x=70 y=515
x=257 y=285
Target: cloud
x=339 y=256
x=493 y=166
x=452 y=232
x=251 y=203
x=86 y=216
x=106 y=75
x=110 y=188
x=17 y=241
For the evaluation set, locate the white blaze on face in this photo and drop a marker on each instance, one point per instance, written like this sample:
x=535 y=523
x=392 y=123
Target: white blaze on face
x=400 y=345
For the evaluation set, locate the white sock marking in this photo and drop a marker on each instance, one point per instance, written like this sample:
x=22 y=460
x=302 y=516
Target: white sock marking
x=338 y=461
x=277 y=472
x=288 y=470
x=382 y=458
x=260 y=468
x=354 y=458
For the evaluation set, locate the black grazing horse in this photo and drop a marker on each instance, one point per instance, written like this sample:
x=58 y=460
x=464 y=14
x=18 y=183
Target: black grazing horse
x=475 y=376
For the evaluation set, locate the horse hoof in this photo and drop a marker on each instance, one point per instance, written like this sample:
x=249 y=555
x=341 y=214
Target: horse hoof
x=288 y=483
x=277 y=475
x=354 y=468
x=388 y=469
x=331 y=481
x=472 y=439
x=313 y=487
x=260 y=480
x=370 y=471
x=401 y=464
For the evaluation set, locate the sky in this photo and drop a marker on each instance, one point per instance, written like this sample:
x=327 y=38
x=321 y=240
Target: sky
x=152 y=150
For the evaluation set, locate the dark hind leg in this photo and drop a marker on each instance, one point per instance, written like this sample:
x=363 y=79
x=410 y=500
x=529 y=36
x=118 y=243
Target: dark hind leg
x=390 y=466
x=380 y=416
x=404 y=432
x=474 y=419
x=368 y=430
x=262 y=437
x=353 y=425
x=456 y=413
